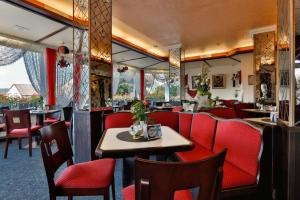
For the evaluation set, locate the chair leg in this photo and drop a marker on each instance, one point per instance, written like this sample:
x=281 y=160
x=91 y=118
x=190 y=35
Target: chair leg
x=30 y=145
x=70 y=197
x=6 y=148
x=52 y=197
x=20 y=143
x=113 y=189
x=106 y=194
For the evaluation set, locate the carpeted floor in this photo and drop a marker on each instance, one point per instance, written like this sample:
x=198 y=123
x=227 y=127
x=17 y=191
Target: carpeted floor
x=23 y=177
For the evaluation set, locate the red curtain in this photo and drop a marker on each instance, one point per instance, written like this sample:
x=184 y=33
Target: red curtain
x=51 y=74
x=142 y=84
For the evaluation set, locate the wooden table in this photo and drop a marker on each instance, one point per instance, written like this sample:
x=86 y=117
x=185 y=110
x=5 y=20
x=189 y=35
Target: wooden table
x=111 y=146
x=40 y=114
x=171 y=141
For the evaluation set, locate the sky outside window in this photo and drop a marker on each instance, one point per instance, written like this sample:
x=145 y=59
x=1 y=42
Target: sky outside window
x=13 y=73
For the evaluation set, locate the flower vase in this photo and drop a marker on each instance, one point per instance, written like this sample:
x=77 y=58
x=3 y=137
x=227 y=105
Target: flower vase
x=143 y=125
x=202 y=101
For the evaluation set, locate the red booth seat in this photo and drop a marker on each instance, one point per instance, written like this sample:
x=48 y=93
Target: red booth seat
x=165 y=118
x=118 y=120
x=242 y=140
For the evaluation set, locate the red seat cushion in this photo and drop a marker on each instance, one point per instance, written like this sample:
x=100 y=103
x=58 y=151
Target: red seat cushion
x=165 y=118
x=197 y=153
x=243 y=143
x=67 y=123
x=50 y=120
x=129 y=194
x=185 y=121
x=118 y=120
x=203 y=130
x=2 y=127
x=235 y=177
x=92 y=174
x=23 y=132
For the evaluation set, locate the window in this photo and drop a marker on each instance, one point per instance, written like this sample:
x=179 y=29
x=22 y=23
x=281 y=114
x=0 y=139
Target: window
x=126 y=84
x=156 y=85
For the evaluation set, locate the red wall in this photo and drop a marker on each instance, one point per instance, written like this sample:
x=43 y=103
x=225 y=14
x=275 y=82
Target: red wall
x=51 y=74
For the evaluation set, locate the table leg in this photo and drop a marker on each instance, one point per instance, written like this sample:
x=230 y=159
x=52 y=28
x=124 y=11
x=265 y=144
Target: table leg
x=40 y=120
x=128 y=171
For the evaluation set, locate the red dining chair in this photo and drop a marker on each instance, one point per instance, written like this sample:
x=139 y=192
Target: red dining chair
x=18 y=126
x=82 y=179
x=156 y=180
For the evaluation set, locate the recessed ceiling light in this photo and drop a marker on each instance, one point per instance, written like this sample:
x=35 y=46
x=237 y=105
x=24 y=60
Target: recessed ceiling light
x=21 y=28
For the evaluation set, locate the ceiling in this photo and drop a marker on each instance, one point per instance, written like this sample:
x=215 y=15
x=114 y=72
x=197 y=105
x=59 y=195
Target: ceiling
x=202 y=27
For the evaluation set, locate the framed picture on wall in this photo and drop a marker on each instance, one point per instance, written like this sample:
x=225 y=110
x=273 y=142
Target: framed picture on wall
x=251 y=80
x=218 y=81
x=194 y=79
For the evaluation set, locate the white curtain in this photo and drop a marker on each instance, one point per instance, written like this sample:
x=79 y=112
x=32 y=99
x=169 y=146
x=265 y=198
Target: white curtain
x=36 y=70
x=9 y=55
x=116 y=79
x=64 y=85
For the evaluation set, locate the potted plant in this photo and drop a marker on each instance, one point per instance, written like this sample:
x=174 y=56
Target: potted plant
x=138 y=109
x=202 y=85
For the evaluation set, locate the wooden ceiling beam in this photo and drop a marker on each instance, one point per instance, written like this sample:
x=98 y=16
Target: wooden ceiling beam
x=52 y=34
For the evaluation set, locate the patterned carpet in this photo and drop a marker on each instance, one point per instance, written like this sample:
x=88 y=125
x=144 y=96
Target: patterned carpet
x=22 y=177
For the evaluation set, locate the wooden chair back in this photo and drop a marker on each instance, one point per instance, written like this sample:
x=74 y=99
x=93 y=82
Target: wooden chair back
x=17 y=119
x=53 y=158
x=159 y=180
x=68 y=112
x=56 y=115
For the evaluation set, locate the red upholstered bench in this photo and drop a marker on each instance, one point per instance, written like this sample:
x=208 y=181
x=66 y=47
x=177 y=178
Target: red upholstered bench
x=202 y=134
x=165 y=118
x=118 y=120
x=244 y=144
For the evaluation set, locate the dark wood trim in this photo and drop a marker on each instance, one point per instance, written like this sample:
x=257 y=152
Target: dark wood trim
x=137 y=48
x=52 y=34
x=39 y=9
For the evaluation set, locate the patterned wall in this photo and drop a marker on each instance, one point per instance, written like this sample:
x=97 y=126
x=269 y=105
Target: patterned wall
x=174 y=70
x=92 y=52
x=264 y=61
x=283 y=58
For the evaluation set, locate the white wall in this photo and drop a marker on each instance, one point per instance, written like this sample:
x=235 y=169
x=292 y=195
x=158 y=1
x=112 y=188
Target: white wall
x=227 y=67
x=13 y=92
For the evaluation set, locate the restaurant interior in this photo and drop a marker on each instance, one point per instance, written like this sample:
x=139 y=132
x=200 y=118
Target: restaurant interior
x=151 y=100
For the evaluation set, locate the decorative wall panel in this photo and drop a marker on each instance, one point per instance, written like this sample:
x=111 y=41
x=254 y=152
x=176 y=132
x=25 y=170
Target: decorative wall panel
x=284 y=58
x=264 y=61
x=92 y=35
x=174 y=68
